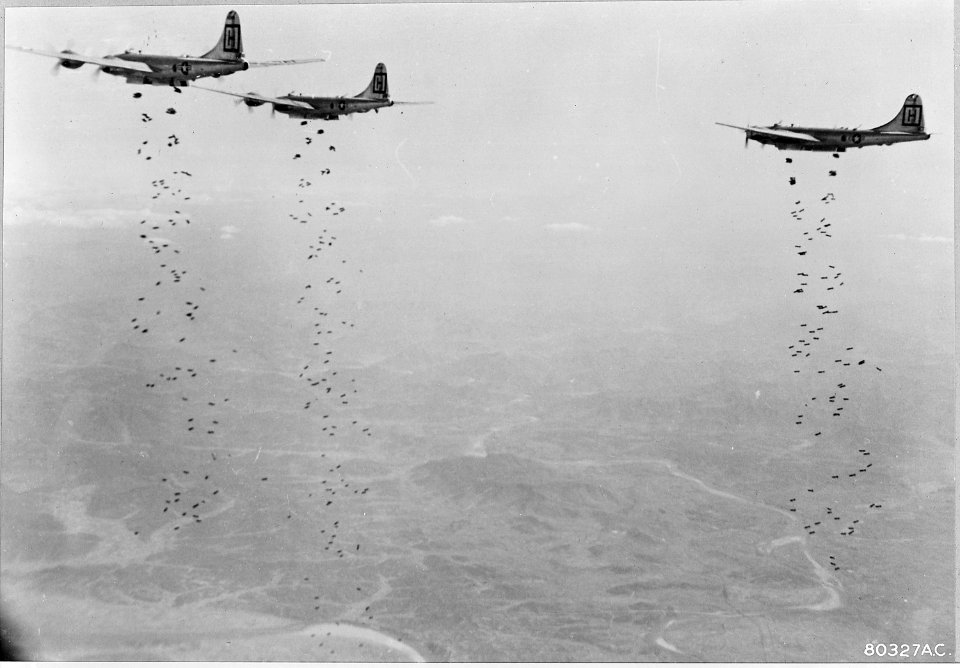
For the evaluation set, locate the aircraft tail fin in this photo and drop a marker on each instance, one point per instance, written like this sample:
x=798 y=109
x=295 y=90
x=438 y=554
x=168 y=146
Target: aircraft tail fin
x=910 y=118
x=230 y=46
x=378 y=89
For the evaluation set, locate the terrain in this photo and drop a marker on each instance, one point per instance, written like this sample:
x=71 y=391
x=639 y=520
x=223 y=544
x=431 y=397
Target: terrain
x=573 y=484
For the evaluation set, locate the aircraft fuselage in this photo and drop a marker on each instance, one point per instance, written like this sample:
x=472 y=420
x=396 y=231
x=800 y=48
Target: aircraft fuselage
x=833 y=139
x=173 y=70
x=330 y=108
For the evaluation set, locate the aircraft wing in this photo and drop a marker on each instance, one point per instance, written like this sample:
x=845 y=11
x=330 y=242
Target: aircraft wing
x=274 y=63
x=131 y=65
x=782 y=134
x=259 y=98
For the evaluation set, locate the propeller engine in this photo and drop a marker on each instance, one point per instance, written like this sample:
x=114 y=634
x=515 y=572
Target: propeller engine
x=746 y=137
x=66 y=62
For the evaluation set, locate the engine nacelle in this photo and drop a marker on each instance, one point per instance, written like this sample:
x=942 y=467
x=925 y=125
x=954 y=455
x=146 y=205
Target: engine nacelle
x=251 y=102
x=70 y=64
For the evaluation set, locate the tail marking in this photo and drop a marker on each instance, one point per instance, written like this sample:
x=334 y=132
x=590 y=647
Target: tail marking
x=230 y=46
x=378 y=88
x=912 y=112
x=910 y=118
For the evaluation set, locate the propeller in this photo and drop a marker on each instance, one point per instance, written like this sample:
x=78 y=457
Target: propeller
x=60 y=63
x=55 y=70
x=242 y=100
x=64 y=60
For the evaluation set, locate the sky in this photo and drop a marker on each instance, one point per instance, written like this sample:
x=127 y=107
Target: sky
x=568 y=179
x=582 y=130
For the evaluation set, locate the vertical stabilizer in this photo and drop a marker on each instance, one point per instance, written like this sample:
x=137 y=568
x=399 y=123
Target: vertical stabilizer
x=377 y=90
x=230 y=46
x=910 y=118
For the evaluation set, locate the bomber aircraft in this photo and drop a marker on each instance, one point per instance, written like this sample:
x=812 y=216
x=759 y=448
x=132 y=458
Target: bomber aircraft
x=375 y=96
x=905 y=126
x=226 y=57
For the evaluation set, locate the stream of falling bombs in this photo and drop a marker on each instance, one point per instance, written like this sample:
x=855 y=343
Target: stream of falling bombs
x=834 y=367
x=328 y=389
x=191 y=494
x=155 y=309
x=166 y=315
x=194 y=493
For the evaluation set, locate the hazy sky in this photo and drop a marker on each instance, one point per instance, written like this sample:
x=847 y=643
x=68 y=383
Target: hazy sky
x=568 y=194
x=584 y=130
x=570 y=102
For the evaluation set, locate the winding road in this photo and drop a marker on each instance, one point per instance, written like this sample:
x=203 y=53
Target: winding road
x=823 y=576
